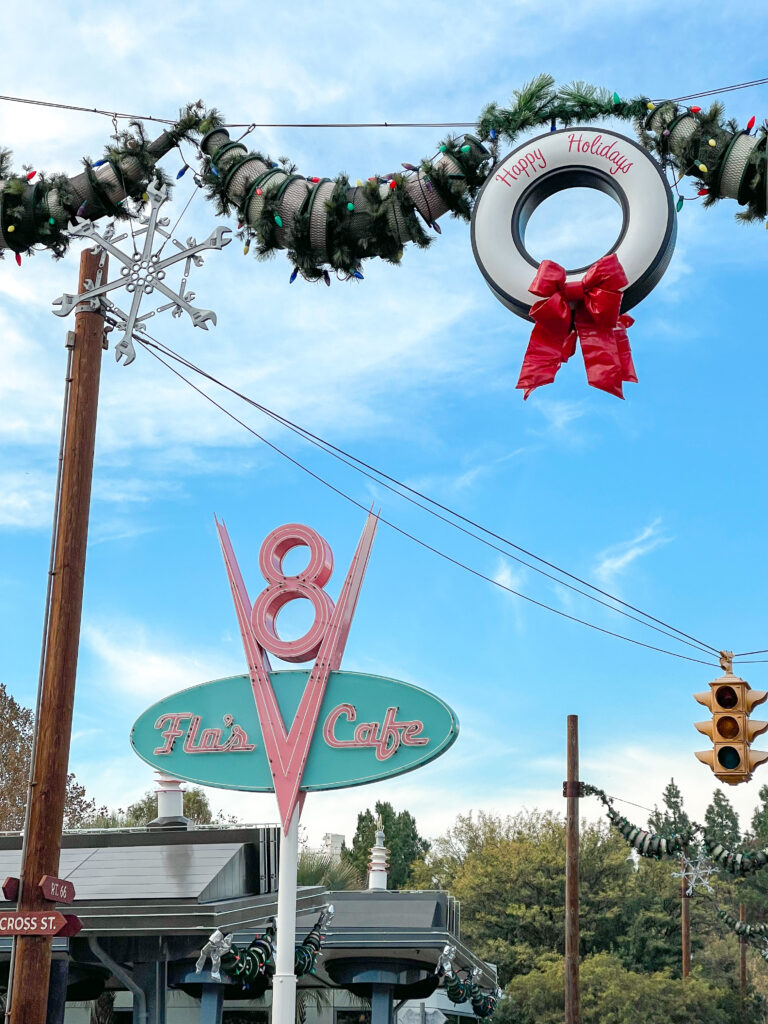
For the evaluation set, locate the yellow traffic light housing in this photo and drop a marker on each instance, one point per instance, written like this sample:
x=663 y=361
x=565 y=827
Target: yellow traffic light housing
x=731 y=700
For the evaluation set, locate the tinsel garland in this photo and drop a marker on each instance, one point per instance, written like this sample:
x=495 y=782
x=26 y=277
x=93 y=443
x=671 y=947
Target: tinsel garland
x=257 y=961
x=736 y=863
x=647 y=844
x=332 y=226
x=35 y=209
x=305 y=957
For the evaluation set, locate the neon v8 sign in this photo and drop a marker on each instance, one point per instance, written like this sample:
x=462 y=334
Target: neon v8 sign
x=346 y=728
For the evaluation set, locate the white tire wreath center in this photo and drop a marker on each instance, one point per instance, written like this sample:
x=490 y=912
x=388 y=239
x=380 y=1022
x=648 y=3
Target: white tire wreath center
x=571 y=158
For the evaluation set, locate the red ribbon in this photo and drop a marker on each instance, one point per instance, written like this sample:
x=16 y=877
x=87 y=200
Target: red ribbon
x=587 y=309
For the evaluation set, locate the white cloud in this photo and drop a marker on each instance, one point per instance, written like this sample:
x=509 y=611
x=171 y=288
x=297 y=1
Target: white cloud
x=141 y=666
x=26 y=499
x=614 y=560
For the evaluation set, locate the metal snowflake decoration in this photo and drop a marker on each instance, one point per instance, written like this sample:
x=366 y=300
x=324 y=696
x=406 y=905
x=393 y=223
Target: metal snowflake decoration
x=696 y=873
x=142 y=273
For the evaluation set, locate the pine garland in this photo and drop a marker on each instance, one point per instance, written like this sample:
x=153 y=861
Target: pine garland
x=736 y=863
x=647 y=844
x=379 y=217
x=372 y=219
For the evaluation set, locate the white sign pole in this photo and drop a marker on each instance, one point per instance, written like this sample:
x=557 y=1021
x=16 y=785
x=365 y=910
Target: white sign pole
x=284 y=982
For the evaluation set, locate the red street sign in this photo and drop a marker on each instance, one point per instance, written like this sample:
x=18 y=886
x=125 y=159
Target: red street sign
x=11 y=889
x=72 y=925
x=59 y=890
x=32 y=922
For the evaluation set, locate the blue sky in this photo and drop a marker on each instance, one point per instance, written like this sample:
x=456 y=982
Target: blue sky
x=659 y=499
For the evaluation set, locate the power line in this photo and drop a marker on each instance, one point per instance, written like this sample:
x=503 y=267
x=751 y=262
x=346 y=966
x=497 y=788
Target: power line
x=150 y=344
x=354 y=463
x=87 y=110
x=340 y=124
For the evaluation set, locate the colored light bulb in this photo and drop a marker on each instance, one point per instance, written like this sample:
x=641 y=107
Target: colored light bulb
x=358 y=275
x=616 y=98
x=703 y=168
x=359 y=183
x=97 y=164
x=712 y=142
x=315 y=179
x=214 y=170
x=350 y=207
x=679 y=204
x=51 y=221
x=703 y=192
x=278 y=220
x=10 y=228
x=437 y=228
x=182 y=172
x=695 y=110
x=18 y=259
x=443 y=149
x=259 y=192
x=751 y=123
x=410 y=167
x=466 y=149
x=327 y=278
x=650 y=105
x=294 y=275
x=246 y=248
x=493 y=133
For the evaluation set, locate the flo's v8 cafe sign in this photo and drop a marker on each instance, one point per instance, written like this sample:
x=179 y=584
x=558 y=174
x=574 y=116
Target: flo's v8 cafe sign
x=295 y=730
x=369 y=728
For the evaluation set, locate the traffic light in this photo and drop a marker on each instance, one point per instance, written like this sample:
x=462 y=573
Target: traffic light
x=731 y=699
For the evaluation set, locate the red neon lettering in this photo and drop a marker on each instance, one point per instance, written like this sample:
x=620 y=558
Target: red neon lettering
x=385 y=738
x=173 y=731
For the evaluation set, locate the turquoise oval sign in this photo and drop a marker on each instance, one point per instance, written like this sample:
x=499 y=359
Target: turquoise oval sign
x=369 y=728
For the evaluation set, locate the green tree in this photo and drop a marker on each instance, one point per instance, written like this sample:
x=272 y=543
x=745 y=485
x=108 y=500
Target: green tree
x=759 y=824
x=673 y=819
x=611 y=993
x=16 y=727
x=403 y=841
x=721 y=821
x=512 y=890
x=447 y=853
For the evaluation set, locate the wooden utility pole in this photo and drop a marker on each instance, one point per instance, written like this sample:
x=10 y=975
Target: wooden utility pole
x=685 y=919
x=742 y=961
x=572 y=791
x=32 y=961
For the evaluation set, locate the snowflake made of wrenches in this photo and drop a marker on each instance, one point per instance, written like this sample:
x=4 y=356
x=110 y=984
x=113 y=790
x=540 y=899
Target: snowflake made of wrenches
x=142 y=273
x=696 y=873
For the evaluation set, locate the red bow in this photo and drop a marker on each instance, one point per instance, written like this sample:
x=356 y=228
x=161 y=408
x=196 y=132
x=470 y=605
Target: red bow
x=587 y=309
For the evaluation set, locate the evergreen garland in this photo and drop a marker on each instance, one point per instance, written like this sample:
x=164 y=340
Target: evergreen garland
x=735 y=863
x=647 y=844
x=378 y=217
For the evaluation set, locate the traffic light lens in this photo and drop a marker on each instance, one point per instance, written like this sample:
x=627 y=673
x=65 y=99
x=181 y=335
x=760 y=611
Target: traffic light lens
x=726 y=697
x=729 y=758
x=728 y=727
